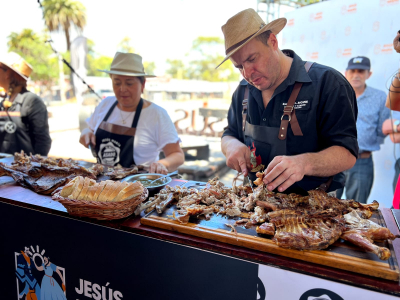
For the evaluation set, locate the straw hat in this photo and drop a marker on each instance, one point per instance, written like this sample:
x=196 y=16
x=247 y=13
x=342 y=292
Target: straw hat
x=127 y=64
x=243 y=27
x=17 y=64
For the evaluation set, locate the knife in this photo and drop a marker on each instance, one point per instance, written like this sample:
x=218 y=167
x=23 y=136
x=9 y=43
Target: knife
x=251 y=185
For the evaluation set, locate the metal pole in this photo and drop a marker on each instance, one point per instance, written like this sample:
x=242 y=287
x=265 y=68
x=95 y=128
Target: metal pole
x=61 y=79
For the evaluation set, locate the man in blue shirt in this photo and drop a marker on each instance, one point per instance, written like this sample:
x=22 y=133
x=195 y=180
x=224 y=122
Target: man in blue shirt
x=371 y=115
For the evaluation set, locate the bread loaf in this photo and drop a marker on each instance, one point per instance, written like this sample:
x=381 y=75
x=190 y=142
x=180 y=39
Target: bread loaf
x=87 y=189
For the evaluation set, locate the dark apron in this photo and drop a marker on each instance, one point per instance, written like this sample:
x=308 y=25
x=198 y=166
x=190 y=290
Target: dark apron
x=11 y=127
x=114 y=143
x=267 y=142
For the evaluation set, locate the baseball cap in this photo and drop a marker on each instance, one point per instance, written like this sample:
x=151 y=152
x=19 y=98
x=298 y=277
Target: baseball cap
x=360 y=63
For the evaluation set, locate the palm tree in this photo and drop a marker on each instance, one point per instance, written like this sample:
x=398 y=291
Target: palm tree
x=62 y=14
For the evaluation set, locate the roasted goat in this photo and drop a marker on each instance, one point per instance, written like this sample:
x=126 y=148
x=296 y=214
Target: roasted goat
x=363 y=233
x=44 y=175
x=299 y=222
x=119 y=172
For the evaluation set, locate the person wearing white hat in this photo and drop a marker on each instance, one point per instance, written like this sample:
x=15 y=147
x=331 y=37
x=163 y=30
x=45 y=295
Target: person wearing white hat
x=128 y=130
x=293 y=119
x=23 y=115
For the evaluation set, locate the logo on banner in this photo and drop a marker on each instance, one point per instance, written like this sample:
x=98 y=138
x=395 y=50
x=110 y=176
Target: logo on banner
x=255 y=161
x=312 y=55
x=347 y=31
x=348 y=9
x=316 y=16
x=388 y=2
x=290 y=22
x=109 y=152
x=302 y=38
x=343 y=53
x=323 y=35
x=375 y=26
x=320 y=294
x=37 y=276
x=386 y=49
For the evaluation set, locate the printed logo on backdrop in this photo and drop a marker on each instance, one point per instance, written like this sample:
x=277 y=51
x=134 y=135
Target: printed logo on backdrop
x=323 y=35
x=343 y=53
x=385 y=49
x=37 y=276
x=316 y=16
x=388 y=2
x=348 y=9
x=302 y=38
x=375 y=26
x=312 y=55
x=290 y=22
x=320 y=294
x=347 y=31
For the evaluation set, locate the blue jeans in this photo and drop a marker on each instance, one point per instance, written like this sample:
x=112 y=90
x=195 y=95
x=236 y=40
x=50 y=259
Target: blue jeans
x=358 y=180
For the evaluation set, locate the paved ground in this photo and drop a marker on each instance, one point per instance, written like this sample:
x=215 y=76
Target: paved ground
x=65 y=135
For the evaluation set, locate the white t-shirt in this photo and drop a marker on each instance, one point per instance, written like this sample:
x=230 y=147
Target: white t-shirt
x=153 y=132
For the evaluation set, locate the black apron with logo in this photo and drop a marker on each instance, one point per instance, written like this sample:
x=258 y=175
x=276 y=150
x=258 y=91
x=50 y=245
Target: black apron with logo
x=267 y=142
x=114 y=143
x=12 y=127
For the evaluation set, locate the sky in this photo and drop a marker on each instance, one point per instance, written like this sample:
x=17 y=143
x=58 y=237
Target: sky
x=158 y=29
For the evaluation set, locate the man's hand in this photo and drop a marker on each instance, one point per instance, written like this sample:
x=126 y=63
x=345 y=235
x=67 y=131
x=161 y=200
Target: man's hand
x=284 y=171
x=396 y=42
x=87 y=137
x=237 y=155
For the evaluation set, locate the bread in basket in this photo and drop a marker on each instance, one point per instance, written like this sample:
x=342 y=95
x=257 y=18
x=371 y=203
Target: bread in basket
x=105 y=200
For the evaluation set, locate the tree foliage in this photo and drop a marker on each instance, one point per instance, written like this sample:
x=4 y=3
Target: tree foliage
x=32 y=47
x=62 y=14
x=125 y=46
x=205 y=56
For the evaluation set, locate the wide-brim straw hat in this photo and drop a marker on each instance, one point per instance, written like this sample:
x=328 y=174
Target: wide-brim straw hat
x=17 y=64
x=127 y=64
x=243 y=27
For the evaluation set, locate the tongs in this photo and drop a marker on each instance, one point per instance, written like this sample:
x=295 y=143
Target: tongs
x=167 y=175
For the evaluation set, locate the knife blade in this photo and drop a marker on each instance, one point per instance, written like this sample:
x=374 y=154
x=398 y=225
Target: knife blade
x=251 y=185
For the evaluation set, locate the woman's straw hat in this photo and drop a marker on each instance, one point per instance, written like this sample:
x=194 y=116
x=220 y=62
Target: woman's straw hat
x=243 y=27
x=127 y=64
x=17 y=64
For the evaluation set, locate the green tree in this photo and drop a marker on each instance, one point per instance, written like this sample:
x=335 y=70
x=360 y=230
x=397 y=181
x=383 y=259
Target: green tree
x=32 y=47
x=125 y=46
x=62 y=15
x=176 y=69
x=203 y=58
x=149 y=67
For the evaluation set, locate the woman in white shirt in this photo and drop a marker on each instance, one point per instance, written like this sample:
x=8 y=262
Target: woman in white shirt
x=129 y=130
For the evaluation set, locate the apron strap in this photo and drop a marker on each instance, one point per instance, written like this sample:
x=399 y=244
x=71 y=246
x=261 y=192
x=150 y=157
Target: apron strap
x=289 y=111
x=137 y=113
x=244 y=104
x=110 y=111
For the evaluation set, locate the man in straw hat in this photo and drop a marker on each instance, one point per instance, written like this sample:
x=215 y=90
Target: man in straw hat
x=128 y=130
x=23 y=115
x=294 y=120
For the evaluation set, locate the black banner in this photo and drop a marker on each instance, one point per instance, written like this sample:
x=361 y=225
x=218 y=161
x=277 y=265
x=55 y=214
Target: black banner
x=101 y=263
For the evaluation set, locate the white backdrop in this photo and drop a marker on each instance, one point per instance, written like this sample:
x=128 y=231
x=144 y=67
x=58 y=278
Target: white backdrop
x=331 y=33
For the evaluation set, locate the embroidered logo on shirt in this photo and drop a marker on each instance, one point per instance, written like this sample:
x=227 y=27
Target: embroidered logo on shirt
x=256 y=161
x=299 y=105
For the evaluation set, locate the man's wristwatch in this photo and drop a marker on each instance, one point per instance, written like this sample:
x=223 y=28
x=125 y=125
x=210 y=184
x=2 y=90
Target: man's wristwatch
x=395 y=126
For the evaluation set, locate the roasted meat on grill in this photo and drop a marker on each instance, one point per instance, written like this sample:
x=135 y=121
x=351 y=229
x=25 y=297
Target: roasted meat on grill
x=44 y=175
x=306 y=231
x=363 y=233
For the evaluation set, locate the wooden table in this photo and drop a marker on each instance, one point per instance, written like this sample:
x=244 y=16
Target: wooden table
x=28 y=202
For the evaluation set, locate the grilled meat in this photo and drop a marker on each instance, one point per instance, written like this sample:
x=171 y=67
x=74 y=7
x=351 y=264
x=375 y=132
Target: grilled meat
x=363 y=233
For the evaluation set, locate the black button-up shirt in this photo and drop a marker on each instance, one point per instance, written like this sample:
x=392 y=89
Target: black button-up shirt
x=326 y=109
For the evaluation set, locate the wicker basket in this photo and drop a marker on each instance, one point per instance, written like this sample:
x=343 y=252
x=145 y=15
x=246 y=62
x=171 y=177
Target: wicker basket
x=101 y=210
